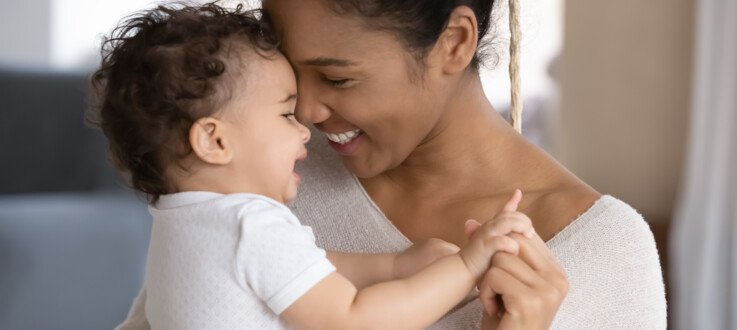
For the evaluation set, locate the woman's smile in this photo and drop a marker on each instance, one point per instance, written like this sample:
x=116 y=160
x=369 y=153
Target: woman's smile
x=346 y=143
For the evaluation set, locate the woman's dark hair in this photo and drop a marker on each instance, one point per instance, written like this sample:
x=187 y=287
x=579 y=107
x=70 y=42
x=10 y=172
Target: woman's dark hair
x=418 y=23
x=162 y=69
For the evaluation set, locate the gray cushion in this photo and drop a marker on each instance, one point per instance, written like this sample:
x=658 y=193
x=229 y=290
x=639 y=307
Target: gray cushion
x=45 y=145
x=70 y=261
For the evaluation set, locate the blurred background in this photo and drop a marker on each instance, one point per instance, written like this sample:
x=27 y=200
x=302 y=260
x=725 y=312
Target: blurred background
x=638 y=98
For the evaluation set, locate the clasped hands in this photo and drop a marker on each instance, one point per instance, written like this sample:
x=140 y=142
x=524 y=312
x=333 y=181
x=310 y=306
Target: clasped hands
x=520 y=284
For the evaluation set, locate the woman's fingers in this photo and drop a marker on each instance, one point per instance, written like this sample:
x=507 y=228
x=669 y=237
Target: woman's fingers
x=529 y=298
x=551 y=281
x=517 y=268
x=498 y=281
x=536 y=254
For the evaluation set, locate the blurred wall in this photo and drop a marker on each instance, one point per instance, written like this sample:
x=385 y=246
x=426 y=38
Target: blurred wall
x=25 y=32
x=625 y=93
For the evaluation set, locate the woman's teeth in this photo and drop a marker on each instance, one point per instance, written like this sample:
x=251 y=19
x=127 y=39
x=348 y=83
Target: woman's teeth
x=343 y=138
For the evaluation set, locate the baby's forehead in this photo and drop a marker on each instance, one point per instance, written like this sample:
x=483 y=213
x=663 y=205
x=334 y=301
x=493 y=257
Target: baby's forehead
x=252 y=76
x=244 y=58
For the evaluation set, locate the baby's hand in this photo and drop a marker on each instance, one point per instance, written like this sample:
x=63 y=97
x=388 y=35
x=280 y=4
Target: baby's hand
x=420 y=255
x=491 y=237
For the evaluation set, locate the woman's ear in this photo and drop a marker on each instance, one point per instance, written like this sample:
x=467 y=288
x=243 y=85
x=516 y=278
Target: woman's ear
x=206 y=136
x=457 y=44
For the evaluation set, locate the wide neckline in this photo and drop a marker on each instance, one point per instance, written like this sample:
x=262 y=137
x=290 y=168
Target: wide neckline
x=599 y=206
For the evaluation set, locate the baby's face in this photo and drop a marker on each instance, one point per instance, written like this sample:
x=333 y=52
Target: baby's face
x=267 y=140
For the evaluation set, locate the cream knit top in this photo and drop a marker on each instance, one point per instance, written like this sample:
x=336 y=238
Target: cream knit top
x=608 y=252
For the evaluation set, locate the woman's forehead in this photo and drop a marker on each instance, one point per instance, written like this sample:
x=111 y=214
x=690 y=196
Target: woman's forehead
x=311 y=31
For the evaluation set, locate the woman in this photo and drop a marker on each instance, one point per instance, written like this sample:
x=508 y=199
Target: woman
x=394 y=88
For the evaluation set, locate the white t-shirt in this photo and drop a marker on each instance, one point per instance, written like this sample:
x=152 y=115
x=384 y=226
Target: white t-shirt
x=227 y=262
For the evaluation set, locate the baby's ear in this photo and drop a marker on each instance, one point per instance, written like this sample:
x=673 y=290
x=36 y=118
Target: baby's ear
x=206 y=136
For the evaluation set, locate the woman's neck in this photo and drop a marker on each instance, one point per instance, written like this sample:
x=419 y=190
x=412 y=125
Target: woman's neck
x=472 y=151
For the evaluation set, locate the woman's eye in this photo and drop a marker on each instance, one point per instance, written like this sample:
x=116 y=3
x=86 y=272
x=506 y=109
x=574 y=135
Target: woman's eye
x=335 y=82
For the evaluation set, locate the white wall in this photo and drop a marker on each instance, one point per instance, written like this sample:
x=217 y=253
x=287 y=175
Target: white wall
x=625 y=98
x=25 y=38
x=59 y=34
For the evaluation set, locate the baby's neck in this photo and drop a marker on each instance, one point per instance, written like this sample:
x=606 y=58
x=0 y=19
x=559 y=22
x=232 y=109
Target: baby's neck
x=212 y=178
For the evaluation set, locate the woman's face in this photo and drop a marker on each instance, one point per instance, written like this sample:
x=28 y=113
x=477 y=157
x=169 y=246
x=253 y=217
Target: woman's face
x=361 y=87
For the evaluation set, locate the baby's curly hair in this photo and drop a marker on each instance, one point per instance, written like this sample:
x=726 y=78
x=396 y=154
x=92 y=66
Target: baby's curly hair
x=162 y=69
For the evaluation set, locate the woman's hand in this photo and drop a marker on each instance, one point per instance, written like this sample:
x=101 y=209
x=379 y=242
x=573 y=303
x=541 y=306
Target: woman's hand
x=522 y=291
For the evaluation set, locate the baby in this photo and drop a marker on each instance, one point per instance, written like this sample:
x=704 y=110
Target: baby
x=198 y=107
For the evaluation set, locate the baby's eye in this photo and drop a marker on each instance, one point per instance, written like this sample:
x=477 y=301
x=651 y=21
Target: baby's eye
x=288 y=115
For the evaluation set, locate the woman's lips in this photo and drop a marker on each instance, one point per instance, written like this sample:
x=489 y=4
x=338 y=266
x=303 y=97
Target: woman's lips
x=350 y=147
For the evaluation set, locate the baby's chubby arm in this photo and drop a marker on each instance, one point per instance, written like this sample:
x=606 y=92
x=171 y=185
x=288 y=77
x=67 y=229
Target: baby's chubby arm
x=413 y=302
x=366 y=269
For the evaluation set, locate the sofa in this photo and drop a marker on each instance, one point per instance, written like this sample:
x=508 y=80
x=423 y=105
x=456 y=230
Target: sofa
x=73 y=238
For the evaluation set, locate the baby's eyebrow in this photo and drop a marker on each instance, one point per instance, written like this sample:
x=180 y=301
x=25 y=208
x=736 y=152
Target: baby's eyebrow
x=290 y=97
x=328 y=61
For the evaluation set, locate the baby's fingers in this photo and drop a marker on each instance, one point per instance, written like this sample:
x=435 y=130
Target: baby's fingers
x=513 y=202
x=478 y=258
x=508 y=223
x=496 y=244
x=470 y=227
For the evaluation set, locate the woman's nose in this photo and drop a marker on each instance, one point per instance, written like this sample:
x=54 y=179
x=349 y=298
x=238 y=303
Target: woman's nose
x=309 y=109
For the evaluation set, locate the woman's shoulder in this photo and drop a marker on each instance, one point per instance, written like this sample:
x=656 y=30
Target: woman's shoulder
x=613 y=268
x=553 y=210
x=605 y=220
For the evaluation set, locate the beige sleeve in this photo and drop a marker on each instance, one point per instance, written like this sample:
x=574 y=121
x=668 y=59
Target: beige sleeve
x=136 y=319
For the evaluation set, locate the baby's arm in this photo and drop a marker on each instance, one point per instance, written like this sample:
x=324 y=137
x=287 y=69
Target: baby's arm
x=367 y=269
x=414 y=302
x=364 y=269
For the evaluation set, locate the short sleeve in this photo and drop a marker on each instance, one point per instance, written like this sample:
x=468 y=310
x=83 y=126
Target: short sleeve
x=277 y=256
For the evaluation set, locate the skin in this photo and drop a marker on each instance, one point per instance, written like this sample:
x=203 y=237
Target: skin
x=433 y=151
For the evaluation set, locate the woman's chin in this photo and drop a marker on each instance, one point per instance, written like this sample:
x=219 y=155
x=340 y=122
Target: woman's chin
x=361 y=168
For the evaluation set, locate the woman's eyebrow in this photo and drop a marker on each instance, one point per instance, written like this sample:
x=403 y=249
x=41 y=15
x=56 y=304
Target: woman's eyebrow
x=328 y=61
